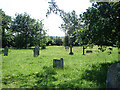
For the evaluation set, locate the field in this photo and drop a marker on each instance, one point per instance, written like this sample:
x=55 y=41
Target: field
x=21 y=70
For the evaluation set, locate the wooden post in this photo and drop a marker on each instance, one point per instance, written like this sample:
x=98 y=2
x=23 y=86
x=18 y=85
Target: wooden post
x=83 y=51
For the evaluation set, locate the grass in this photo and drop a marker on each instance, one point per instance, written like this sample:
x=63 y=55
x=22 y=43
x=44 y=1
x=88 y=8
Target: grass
x=21 y=70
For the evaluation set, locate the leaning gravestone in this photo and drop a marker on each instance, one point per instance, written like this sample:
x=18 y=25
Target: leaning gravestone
x=58 y=63
x=113 y=76
x=6 y=51
x=36 y=51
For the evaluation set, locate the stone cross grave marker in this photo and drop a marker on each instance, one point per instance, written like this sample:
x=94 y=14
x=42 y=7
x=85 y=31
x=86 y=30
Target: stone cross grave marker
x=113 y=76
x=36 y=51
x=6 y=51
x=58 y=63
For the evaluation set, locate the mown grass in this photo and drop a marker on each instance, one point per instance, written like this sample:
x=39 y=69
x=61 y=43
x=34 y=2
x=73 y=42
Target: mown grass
x=21 y=70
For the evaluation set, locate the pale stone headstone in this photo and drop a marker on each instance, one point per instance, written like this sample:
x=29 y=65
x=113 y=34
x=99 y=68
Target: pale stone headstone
x=88 y=51
x=58 y=63
x=113 y=76
x=6 y=51
x=36 y=51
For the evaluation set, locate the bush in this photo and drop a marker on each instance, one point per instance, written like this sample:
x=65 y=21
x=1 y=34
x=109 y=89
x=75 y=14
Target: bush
x=43 y=47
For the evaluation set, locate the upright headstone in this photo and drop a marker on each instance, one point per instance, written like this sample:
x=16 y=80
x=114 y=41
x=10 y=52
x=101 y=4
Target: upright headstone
x=6 y=51
x=71 y=53
x=113 y=76
x=58 y=63
x=36 y=51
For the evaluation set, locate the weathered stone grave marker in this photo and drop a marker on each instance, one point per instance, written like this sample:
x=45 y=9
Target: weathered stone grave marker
x=6 y=51
x=88 y=51
x=36 y=51
x=113 y=76
x=58 y=63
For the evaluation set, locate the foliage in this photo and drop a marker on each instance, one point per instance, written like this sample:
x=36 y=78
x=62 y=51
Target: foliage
x=58 y=41
x=7 y=35
x=29 y=29
x=97 y=27
x=54 y=41
x=66 y=41
x=70 y=23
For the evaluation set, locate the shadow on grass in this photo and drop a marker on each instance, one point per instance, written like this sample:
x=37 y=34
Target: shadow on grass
x=98 y=74
x=43 y=79
x=94 y=78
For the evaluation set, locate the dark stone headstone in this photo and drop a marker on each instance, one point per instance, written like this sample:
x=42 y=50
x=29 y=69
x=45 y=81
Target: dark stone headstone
x=113 y=76
x=88 y=51
x=36 y=51
x=6 y=51
x=58 y=63
x=71 y=53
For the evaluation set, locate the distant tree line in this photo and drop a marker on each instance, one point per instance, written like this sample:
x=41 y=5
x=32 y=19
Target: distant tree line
x=54 y=41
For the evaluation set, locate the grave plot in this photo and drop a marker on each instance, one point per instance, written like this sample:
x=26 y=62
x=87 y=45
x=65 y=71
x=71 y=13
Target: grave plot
x=58 y=63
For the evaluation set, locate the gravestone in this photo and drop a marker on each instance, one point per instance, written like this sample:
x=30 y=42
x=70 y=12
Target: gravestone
x=88 y=51
x=113 y=76
x=66 y=47
x=71 y=53
x=6 y=51
x=36 y=51
x=58 y=63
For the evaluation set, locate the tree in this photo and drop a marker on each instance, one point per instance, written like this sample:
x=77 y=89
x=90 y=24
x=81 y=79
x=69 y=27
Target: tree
x=70 y=23
x=66 y=40
x=7 y=36
x=29 y=29
x=97 y=27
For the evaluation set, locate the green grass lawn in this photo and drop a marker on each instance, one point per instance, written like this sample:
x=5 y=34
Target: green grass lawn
x=21 y=70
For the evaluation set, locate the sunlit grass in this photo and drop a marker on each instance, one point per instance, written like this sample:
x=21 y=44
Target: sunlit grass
x=21 y=69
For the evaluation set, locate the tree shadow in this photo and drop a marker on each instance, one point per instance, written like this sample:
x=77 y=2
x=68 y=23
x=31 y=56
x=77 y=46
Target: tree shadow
x=98 y=74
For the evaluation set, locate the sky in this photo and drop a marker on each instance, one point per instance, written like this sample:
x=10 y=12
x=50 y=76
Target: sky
x=37 y=9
